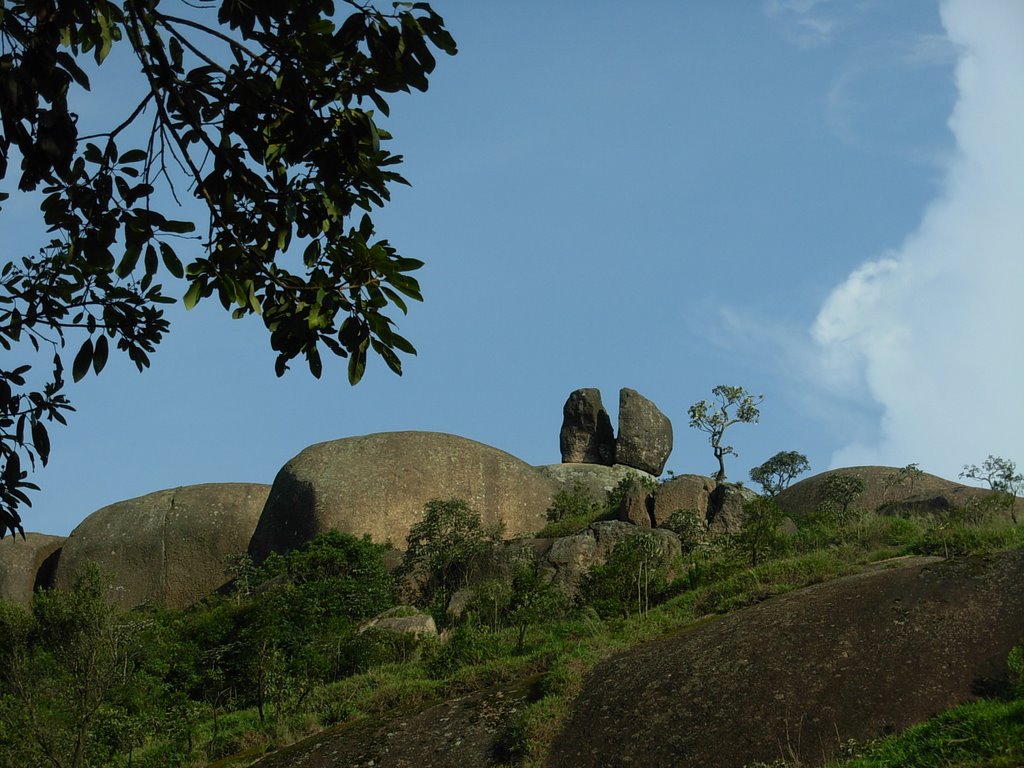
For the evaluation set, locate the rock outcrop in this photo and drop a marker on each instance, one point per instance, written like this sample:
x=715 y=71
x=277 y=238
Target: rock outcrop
x=166 y=548
x=645 y=434
x=568 y=558
x=586 y=436
x=797 y=676
x=597 y=479
x=718 y=507
x=402 y=620
x=27 y=565
x=927 y=494
x=683 y=492
x=378 y=485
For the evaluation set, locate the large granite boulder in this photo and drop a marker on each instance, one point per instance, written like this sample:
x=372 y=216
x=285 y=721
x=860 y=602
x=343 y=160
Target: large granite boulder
x=166 y=548
x=597 y=479
x=27 y=565
x=586 y=436
x=886 y=491
x=645 y=433
x=683 y=492
x=378 y=485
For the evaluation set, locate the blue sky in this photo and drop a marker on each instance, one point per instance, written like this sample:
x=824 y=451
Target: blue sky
x=818 y=200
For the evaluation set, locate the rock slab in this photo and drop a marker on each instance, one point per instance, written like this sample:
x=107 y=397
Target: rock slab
x=586 y=436
x=853 y=658
x=378 y=485
x=27 y=564
x=645 y=434
x=165 y=548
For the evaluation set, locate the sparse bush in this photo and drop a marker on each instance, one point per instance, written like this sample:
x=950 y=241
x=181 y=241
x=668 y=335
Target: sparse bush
x=631 y=480
x=837 y=494
x=689 y=526
x=908 y=475
x=573 y=502
x=632 y=579
x=444 y=548
x=759 y=536
x=1002 y=478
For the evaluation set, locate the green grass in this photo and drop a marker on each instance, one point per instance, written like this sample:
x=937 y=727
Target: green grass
x=561 y=654
x=981 y=733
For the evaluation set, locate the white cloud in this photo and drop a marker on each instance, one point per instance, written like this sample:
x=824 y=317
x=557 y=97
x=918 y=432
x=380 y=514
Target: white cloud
x=806 y=23
x=933 y=331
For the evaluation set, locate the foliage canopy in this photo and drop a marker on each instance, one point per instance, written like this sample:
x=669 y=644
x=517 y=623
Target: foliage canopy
x=775 y=475
x=264 y=113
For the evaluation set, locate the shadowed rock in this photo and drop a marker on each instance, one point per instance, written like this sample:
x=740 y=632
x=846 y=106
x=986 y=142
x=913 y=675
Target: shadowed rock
x=586 y=436
x=800 y=674
x=27 y=564
x=645 y=434
x=636 y=506
x=378 y=485
x=166 y=548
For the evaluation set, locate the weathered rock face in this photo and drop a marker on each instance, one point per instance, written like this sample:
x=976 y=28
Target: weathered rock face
x=645 y=433
x=168 y=547
x=725 y=515
x=719 y=507
x=853 y=658
x=636 y=507
x=570 y=557
x=597 y=479
x=586 y=436
x=378 y=485
x=927 y=494
x=683 y=492
x=27 y=565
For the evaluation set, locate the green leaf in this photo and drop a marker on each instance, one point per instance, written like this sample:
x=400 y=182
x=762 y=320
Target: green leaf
x=99 y=353
x=171 y=261
x=356 y=366
x=178 y=227
x=83 y=360
x=133 y=156
x=193 y=295
x=41 y=441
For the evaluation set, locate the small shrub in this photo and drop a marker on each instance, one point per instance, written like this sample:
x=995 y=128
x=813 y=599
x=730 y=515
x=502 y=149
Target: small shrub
x=470 y=643
x=689 y=526
x=444 y=549
x=632 y=579
x=572 y=503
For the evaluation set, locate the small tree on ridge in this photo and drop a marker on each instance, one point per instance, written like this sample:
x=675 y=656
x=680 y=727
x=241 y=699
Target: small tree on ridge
x=732 y=405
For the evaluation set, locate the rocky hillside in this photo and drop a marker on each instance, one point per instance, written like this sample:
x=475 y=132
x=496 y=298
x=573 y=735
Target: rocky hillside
x=792 y=677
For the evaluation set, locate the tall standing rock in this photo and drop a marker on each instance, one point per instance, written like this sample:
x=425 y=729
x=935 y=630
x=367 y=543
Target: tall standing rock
x=586 y=436
x=645 y=433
